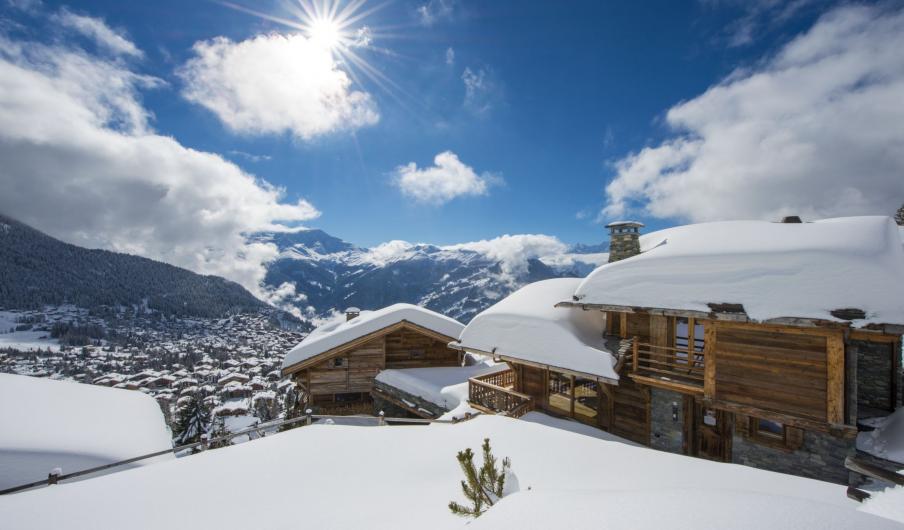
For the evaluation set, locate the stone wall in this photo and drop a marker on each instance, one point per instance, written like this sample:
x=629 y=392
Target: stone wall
x=666 y=432
x=623 y=246
x=874 y=374
x=821 y=456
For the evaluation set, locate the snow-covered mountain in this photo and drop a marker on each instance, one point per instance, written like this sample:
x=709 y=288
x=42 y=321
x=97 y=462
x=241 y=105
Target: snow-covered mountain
x=319 y=274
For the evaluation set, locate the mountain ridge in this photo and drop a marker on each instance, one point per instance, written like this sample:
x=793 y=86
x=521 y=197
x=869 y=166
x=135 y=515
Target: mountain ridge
x=37 y=269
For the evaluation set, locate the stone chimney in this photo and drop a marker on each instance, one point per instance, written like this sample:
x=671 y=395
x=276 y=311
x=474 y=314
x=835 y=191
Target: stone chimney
x=624 y=239
x=351 y=313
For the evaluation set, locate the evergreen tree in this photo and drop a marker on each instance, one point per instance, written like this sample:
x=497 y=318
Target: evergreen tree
x=219 y=429
x=482 y=488
x=899 y=216
x=194 y=420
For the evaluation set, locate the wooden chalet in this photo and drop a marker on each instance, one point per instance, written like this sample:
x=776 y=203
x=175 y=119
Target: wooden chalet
x=334 y=367
x=740 y=379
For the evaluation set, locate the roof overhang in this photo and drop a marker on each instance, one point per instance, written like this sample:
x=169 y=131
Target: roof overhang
x=352 y=344
x=735 y=313
x=515 y=359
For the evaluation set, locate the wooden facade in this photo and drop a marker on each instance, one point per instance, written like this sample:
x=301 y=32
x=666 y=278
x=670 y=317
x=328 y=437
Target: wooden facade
x=730 y=386
x=342 y=379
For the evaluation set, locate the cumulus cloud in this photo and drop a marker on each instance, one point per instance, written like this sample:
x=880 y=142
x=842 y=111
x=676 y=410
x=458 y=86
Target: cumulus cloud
x=81 y=162
x=275 y=83
x=814 y=130
x=514 y=251
x=99 y=31
x=447 y=179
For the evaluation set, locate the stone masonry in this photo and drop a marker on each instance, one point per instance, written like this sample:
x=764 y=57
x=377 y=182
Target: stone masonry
x=666 y=431
x=821 y=456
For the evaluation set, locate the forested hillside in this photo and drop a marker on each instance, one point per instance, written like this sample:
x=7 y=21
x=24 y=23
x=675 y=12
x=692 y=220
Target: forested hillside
x=38 y=270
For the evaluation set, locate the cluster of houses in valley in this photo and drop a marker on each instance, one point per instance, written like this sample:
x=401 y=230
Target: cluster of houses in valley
x=232 y=364
x=772 y=345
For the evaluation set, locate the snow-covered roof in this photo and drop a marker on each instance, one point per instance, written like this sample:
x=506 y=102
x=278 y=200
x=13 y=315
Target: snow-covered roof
x=340 y=331
x=75 y=426
x=774 y=270
x=590 y=480
x=526 y=325
x=445 y=386
x=886 y=440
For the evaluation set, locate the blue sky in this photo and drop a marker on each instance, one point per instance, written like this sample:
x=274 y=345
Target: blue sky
x=557 y=117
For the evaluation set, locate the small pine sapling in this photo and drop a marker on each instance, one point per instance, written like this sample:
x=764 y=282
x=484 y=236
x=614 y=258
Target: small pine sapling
x=899 y=216
x=482 y=488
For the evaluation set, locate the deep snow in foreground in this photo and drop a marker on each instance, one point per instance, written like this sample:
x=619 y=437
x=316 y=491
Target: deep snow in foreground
x=335 y=476
x=46 y=424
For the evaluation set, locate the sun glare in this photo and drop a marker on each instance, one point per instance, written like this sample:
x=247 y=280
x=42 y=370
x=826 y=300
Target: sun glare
x=325 y=32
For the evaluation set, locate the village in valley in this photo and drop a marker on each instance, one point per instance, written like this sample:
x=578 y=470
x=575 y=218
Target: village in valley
x=652 y=273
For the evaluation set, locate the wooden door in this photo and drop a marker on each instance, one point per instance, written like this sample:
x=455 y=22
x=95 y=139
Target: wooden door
x=708 y=432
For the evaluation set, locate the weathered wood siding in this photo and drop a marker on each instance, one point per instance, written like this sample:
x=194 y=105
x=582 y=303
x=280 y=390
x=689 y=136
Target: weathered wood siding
x=776 y=370
x=630 y=411
x=407 y=348
x=531 y=381
x=355 y=375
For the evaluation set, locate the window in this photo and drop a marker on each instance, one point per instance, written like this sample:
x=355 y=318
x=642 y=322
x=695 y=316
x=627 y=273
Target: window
x=689 y=336
x=774 y=434
x=560 y=392
x=770 y=428
x=339 y=362
x=416 y=354
x=348 y=397
x=586 y=399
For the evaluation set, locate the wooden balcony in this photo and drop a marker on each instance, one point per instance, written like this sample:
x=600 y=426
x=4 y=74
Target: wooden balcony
x=493 y=393
x=667 y=367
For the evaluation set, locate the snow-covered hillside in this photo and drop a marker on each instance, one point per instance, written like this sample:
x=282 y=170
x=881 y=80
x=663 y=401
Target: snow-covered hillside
x=318 y=273
x=319 y=477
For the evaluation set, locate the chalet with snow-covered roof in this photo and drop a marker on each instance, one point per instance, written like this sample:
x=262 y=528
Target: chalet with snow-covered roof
x=334 y=367
x=765 y=344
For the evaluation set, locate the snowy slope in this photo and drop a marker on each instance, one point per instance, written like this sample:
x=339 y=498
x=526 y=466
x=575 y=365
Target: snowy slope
x=320 y=273
x=48 y=424
x=773 y=269
x=318 y=477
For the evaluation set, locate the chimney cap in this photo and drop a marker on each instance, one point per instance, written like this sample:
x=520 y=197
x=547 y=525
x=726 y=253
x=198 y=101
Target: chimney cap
x=635 y=224
x=352 y=310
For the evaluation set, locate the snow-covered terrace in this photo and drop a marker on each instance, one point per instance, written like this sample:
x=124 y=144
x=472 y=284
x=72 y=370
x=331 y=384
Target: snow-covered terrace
x=771 y=270
x=560 y=480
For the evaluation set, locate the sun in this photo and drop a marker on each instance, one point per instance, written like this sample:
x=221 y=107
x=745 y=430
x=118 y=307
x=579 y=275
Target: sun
x=325 y=32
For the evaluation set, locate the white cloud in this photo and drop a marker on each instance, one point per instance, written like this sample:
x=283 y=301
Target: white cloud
x=99 y=31
x=450 y=56
x=447 y=179
x=815 y=131
x=81 y=162
x=514 y=251
x=435 y=10
x=275 y=83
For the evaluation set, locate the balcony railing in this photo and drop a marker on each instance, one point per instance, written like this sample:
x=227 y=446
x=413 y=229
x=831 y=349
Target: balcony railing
x=678 y=367
x=493 y=393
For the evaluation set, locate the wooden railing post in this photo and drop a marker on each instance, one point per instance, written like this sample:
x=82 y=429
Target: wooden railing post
x=635 y=353
x=309 y=414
